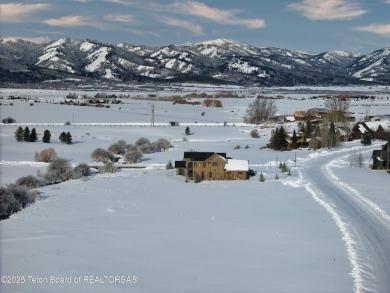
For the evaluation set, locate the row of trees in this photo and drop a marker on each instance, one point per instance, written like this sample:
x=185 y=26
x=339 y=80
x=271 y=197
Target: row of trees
x=26 y=135
x=18 y=195
x=31 y=136
x=130 y=153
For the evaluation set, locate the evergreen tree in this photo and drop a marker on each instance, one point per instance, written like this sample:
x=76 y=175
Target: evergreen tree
x=280 y=165
x=19 y=134
x=62 y=137
x=294 y=139
x=303 y=128
x=309 y=129
x=261 y=179
x=33 y=135
x=283 y=139
x=46 y=136
x=276 y=176
x=68 y=138
x=198 y=179
x=26 y=136
x=284 y=167
x=276 y=140
x=169 y=165
x=366 y=140
x=187 y=131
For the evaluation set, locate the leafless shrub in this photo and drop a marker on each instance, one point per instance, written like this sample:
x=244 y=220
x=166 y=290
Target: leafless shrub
x=133 y=157
x=117 y=148
x=161 y=144
x=51 y=177
x=102 y=155
x=8 y=203
x=59 y=164
x=254 y=133
x=142 y=141
x=58 y=170
x=29 y=182
x=108 y=168
x=22 y=194
x=146 y=148
x=45 y=155
x=81 y=170
x=131 y=147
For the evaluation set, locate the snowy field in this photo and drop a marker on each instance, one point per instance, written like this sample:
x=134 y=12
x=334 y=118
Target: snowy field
x=146 y=230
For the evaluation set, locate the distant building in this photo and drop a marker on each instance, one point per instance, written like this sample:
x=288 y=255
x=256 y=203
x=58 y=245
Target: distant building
x=212 y=166
x=378 y=130
x=381 y=158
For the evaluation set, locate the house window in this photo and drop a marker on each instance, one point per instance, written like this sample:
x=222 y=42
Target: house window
x=204 y=165
x=215 y=164
x=239 y=172
x=210 y=174
x=181 y=171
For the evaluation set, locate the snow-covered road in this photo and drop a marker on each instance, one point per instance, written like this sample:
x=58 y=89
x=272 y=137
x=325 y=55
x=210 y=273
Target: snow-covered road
x=365 y=227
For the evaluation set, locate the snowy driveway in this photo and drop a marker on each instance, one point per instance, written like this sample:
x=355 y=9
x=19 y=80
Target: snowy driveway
x=365 y=227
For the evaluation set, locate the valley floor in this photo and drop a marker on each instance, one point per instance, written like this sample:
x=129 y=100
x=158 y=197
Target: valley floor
x=146 y=230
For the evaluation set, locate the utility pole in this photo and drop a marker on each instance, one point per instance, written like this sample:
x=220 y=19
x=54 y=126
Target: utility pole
x=388 y=154
x=152 y=123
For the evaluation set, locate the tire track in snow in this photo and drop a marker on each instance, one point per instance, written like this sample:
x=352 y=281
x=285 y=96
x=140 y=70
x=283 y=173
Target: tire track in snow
x=341 y=225
x=365 y=229
x=354 y=192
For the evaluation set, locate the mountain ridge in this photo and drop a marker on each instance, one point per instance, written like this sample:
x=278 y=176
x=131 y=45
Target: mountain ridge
x=214 y=61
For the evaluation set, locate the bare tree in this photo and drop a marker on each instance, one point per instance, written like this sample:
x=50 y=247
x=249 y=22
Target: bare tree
x=45 y=155
x=262 y=109
x=357 y=159
x=337 y=106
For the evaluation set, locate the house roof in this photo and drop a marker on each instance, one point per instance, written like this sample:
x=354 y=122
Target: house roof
x=201 y=156
x=290 y=118
x=374 y=125
x=237 y=165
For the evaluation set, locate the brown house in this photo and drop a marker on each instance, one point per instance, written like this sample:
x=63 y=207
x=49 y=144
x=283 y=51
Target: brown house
x=315 y=143
x=378 y=130
x=212 y=166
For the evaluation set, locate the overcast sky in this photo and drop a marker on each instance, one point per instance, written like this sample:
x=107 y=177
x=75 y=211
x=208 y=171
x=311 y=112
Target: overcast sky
x=315 y=26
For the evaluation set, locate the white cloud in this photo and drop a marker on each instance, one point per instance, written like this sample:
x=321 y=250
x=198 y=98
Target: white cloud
x=125 y=18
x=71 y=20
x=199 y=9
x=378 y=29
x=328 y=9
x=37 y=40
x=197 y=30
x=18 y=12
x=220 y=16
x=78 y=20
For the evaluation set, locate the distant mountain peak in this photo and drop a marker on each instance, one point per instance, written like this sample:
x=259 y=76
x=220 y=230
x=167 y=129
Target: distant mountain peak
x=218 y=60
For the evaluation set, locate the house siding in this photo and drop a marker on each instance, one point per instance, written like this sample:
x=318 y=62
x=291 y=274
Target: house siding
x=212 y=168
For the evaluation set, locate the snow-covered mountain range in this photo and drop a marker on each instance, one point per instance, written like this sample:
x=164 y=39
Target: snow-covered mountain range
x=215 y=61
